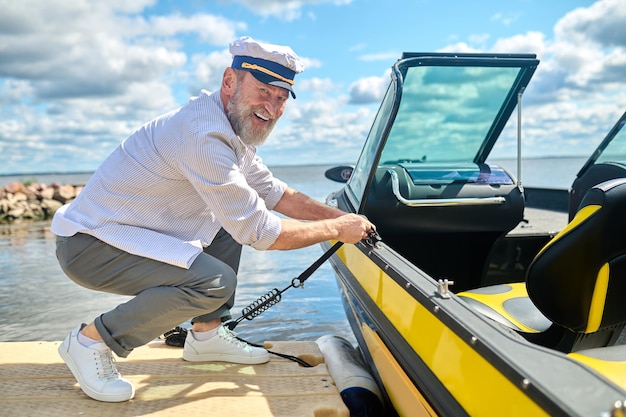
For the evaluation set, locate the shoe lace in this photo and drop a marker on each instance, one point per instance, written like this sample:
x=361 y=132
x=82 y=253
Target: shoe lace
x=231 y=337
x=106 y=365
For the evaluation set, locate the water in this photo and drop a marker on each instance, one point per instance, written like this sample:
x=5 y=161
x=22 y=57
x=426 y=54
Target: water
x=38 y=302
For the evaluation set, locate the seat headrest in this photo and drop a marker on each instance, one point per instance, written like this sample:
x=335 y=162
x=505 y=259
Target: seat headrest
x=578 y=279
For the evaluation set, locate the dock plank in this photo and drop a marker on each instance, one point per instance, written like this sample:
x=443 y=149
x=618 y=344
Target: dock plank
x=35 y=382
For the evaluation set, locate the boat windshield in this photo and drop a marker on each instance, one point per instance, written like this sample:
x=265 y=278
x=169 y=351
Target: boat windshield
x=446 y=113
x=612 y=149
x=615 y=151
x=441 y=117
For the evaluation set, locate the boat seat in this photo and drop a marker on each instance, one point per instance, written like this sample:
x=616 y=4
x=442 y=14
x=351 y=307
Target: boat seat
x=609 y=361
x=595 y=174
x=576 y=285
x=509 y=305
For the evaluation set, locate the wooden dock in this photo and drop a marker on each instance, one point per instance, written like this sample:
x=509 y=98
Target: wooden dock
x=35 y=382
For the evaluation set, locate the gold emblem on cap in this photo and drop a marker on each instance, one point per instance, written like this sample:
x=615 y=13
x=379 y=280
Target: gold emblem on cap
x=266 y=71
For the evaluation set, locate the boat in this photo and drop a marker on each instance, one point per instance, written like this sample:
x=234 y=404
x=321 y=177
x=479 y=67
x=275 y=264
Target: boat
x=459 y=305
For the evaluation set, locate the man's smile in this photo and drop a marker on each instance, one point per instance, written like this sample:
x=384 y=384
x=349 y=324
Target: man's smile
x=265 y=119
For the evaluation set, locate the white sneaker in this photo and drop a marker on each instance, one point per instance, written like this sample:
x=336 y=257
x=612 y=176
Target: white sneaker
x=224 y=347
x=94 y=369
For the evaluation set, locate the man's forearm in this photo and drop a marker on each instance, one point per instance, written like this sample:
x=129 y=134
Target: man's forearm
x=294 y=234
x=297 y=234
x=298 y=205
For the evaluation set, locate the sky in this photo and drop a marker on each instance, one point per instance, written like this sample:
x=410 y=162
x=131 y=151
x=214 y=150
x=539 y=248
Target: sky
x=78 y=76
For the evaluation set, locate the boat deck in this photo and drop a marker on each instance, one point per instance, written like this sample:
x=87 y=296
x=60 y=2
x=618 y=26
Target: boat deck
x=35 y=382
x=541 y=221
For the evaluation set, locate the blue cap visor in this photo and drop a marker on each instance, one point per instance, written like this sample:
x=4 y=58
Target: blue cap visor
x=268 y=72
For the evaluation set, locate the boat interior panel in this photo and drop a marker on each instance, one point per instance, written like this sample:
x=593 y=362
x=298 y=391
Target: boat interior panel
x=445 y=212
x=511 y=255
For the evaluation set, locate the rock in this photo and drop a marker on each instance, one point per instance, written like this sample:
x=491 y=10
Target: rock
x=34 y=201
x=14 y=187
x=4 y=205
x=35 y=210
x=50 y=206
x=16 y=212
x=32 y=192
x=46 y=193
x=16 y=198
x=64 y=193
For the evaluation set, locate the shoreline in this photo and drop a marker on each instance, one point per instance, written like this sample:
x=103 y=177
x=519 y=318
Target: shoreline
x=34 y=201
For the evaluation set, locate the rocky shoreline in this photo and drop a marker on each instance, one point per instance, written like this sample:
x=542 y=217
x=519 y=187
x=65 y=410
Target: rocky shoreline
x=33 y=201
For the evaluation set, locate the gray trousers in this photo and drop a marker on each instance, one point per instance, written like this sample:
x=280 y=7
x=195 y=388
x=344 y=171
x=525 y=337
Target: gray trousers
x=164 y=295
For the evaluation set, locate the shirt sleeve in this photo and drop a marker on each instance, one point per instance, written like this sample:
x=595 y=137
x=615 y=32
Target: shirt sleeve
x=270 y=188
x=236 y=188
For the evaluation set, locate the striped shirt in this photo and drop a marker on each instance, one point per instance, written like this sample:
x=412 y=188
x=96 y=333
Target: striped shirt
x=166 y=191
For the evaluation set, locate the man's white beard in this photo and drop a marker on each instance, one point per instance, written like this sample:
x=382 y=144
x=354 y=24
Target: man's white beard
x=240 y=118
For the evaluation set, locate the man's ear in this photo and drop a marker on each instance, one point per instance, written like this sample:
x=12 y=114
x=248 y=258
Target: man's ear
x=229 y=81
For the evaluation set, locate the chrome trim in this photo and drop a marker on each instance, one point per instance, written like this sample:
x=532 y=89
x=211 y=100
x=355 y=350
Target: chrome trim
x=428 y=202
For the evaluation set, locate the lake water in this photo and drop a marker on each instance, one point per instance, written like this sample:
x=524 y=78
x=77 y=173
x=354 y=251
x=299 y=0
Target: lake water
x=38 y=302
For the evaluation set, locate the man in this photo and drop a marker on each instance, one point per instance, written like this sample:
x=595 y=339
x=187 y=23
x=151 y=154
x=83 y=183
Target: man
x=164 y=217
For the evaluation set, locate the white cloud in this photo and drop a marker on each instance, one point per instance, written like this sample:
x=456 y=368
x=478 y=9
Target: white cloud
x=214 y=30
x=317 y=86
x=602 y=23
x=479 y=40
x=505 y=18
x=369 y=90
x=77 y=76
x=531 y=42
x=575 y=95
x=209 y=70
x=285 y=9
x=318 y=131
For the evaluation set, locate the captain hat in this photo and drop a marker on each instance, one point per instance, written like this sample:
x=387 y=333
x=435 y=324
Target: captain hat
x=271 y=64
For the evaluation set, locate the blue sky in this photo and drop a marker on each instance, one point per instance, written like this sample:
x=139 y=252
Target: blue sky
x=78 y=76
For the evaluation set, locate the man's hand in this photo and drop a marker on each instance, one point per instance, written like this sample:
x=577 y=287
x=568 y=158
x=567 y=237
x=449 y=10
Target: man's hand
x=347 y=228
x=353 y=227
x=313 y=222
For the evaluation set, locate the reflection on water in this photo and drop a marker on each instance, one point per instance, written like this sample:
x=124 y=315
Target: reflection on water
x=38 y=302
x=17 y=234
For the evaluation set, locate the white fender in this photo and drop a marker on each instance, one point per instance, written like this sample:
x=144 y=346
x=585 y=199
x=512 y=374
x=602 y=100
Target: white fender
x=345 y=365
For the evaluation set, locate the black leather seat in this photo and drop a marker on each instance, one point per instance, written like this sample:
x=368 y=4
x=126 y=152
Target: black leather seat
x=575 y=288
